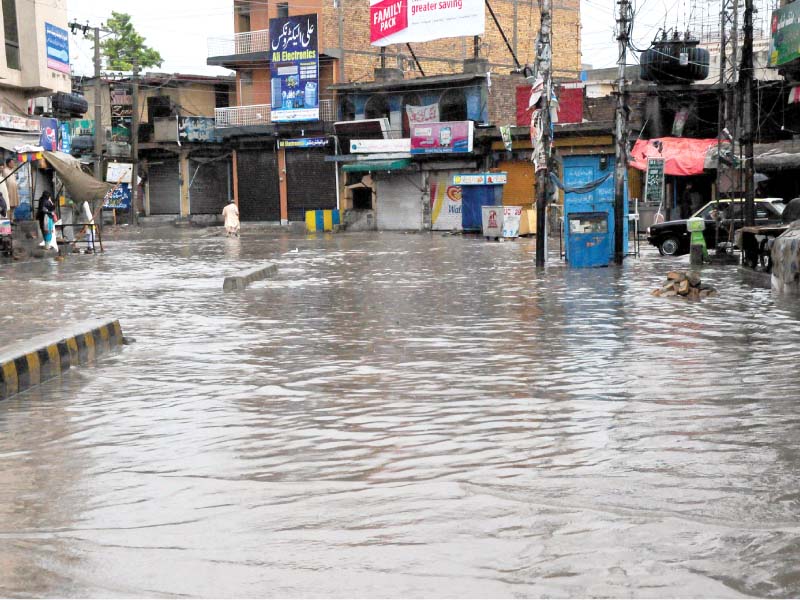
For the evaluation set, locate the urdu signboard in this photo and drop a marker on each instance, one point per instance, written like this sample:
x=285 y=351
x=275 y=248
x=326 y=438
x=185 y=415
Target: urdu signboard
x=57 y=45
x=403 y=21
x=294 y=69
x=442 y=138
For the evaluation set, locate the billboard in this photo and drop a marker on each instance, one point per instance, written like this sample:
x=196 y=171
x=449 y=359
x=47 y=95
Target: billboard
x=197 y=129
x=294 y=69
x=442 y=138
x=784 y=44
x=402 y=21
x=57 y=44
x=445 y=202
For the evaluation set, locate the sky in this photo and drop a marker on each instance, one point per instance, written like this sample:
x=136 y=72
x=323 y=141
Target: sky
x=179 y=29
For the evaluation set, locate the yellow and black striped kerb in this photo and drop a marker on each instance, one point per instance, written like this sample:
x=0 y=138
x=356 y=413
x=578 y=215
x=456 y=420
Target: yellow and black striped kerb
x=32 y=368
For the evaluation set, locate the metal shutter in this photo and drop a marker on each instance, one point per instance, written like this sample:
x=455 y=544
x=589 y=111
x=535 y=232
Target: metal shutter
x=208 y=193
x=259 y=197
x=165 y=187
x=311 y=182
x=399 y=200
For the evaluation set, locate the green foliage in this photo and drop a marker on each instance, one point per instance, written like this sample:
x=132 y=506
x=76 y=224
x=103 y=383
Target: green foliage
x=125 y=45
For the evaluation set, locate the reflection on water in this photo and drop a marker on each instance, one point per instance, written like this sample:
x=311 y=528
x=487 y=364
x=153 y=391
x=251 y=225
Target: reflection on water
x=400 y=415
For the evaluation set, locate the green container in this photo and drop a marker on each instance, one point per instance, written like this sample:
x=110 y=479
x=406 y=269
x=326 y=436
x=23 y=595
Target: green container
x=695 y=224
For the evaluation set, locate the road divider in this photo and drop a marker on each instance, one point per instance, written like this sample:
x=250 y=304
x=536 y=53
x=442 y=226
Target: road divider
x=240 y=282
x=38 y=359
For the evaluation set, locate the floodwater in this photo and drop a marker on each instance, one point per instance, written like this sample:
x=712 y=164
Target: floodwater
x=400 y=415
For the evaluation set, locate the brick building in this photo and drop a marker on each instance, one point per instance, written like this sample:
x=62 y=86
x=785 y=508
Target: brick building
x=271 y=182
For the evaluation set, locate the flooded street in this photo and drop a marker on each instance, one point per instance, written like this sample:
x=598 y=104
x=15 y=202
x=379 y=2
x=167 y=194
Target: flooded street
x=399 y=415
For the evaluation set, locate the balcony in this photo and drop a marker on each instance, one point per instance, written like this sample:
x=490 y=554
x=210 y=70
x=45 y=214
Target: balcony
x=242 y=116
x=260 y=114
x=237 y=49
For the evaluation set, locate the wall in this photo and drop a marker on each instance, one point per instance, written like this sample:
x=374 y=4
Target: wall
x=34 y=75
x=446 y=56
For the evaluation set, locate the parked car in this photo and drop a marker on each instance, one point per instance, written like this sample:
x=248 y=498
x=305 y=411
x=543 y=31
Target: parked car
x=672 y=239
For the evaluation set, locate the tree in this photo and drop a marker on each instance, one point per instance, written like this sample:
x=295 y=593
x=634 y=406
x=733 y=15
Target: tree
x=126 y=45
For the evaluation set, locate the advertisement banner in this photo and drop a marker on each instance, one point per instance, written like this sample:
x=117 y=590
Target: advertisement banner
x=65 y=139
x=403 y=21
x=57 y=44
x=654 y=181
x=422 y=114
x=119 y=172
x=301 y=143
x=442 y=138
x=120 y=198
x=445 y=202
x=390 y=145
x=294 y=69
x=784 y=43
x=48 y=139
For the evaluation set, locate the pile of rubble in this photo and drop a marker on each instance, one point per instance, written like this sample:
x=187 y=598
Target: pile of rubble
x=686 y=284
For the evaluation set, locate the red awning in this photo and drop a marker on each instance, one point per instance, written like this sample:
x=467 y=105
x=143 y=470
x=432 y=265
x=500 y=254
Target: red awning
x=683 y=156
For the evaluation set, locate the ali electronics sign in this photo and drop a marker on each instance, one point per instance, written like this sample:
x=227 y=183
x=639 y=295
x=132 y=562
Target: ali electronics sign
x=442 y=138
x=402 y=21
x=294 y=69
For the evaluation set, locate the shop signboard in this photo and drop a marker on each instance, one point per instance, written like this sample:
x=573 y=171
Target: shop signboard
x=57 y=45
x=379 y=146
x=197 y=130
x=119 y=172
x=480 y=178
x=405 y=21
x=119 y=198
x=654 y=181
x=19 y=123
x=82 y=126
x=784 y=43
x=294 y=69
x=303 y=143
x=445 y=202
x=442 y=138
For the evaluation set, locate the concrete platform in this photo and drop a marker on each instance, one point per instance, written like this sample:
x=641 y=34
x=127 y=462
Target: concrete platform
x=40 y=358
x=239 y=282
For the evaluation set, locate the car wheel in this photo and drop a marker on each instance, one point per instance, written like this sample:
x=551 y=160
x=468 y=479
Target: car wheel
x=669 y=246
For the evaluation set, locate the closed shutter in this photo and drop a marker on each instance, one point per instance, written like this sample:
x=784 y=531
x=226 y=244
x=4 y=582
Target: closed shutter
x=399 y=201
x=259 y=196
x=311 y=182
x=519 y=191
x=165 y=187
x=208 y=193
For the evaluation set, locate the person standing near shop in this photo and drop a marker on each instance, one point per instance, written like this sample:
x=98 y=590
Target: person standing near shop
x=231 y=215
x=7 y=173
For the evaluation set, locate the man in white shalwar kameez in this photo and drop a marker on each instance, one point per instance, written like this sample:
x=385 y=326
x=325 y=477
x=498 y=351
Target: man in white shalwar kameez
x=231 y=215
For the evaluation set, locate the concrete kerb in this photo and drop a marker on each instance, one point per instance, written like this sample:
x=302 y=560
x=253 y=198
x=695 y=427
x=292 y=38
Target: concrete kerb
x=44 y=357
x=240 y=282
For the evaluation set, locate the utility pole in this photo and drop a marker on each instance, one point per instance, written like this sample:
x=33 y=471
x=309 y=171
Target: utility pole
x=544 y=69
x=621 y=147
x=134 y=139
x=98 y=109
x=748 y=114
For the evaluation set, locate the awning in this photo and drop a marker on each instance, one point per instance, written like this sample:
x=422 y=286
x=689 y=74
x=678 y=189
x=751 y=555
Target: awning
x=13 y=139
x=376 y=165
x=682 y=156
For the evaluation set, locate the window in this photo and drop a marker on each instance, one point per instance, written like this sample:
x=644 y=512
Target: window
x=283 y=9
x=11 y=33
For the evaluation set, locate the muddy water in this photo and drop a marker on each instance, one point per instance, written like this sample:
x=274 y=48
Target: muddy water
x=401 y=415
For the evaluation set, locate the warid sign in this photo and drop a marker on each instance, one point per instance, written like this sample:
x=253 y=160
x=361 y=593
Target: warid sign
x=785 y=29
x=402 y=21
x=442 y=138
x=294 y=68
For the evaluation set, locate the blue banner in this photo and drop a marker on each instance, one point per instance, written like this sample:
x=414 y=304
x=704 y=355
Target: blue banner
x=48 y=139
x=294 y=68
x=57 y=44
x=120 y=198
x=65 y=140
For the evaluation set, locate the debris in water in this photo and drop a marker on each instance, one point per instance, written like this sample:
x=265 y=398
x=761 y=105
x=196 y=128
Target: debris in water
x=685 y=284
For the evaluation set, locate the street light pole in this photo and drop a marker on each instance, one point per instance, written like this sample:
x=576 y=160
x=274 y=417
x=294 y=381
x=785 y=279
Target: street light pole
x=134 y=139
x=99 y=136
x=621 y=147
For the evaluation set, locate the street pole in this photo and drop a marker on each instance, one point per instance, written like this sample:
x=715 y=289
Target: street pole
x=544 y=68
x=134 y=139
x=621 y=147
x=99 y=134
x=746 y=74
